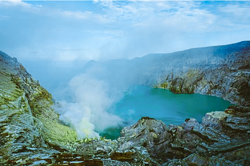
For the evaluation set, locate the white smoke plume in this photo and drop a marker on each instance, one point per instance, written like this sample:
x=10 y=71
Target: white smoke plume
x=88 y=114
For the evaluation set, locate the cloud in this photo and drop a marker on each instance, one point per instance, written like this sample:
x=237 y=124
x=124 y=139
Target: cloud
x=117 y=29
x=236 y=13
x=14 y=2
x=157 y=27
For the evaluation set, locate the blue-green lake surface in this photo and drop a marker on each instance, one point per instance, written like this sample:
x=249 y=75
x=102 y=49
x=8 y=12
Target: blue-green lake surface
x=163 y=105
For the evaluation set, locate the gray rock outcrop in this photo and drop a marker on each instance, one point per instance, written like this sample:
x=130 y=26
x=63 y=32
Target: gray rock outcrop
x=222 y=138
x=226 y=76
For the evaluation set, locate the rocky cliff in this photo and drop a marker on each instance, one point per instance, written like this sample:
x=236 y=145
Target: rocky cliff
x=32 y=134
x=221 y=71
x=28 y=124
x=225 y=74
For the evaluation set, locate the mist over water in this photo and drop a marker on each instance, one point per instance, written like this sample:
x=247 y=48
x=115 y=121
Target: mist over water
x=88 y=111
x=93 y=93
x=98 y=108
x=98 y=99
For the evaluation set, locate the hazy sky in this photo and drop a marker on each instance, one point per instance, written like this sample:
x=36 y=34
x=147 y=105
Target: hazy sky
x=100 y=30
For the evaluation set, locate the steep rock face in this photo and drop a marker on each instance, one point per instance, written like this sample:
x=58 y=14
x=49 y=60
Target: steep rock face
x=228 y=79
x=222 y=71
x=28 y=124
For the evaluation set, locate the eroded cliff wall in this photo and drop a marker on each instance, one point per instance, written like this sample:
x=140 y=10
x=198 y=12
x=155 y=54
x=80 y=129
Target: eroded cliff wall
x=28 y=124
x=228 y=76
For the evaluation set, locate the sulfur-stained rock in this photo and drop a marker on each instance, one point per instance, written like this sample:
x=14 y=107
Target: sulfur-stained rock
x=25 y=109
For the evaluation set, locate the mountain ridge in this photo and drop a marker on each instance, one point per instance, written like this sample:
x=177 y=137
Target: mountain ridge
x=173 y=70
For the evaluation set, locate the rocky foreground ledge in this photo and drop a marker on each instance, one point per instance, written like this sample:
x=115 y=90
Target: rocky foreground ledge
x=31 y=133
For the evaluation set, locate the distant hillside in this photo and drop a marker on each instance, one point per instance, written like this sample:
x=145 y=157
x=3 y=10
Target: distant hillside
x=221 y=71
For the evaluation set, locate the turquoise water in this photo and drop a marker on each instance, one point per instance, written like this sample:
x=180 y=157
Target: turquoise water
x=163 y=105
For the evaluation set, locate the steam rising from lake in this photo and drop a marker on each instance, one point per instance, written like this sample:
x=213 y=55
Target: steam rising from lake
x=88 y=114
x=103 y=84
x=93 y=92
